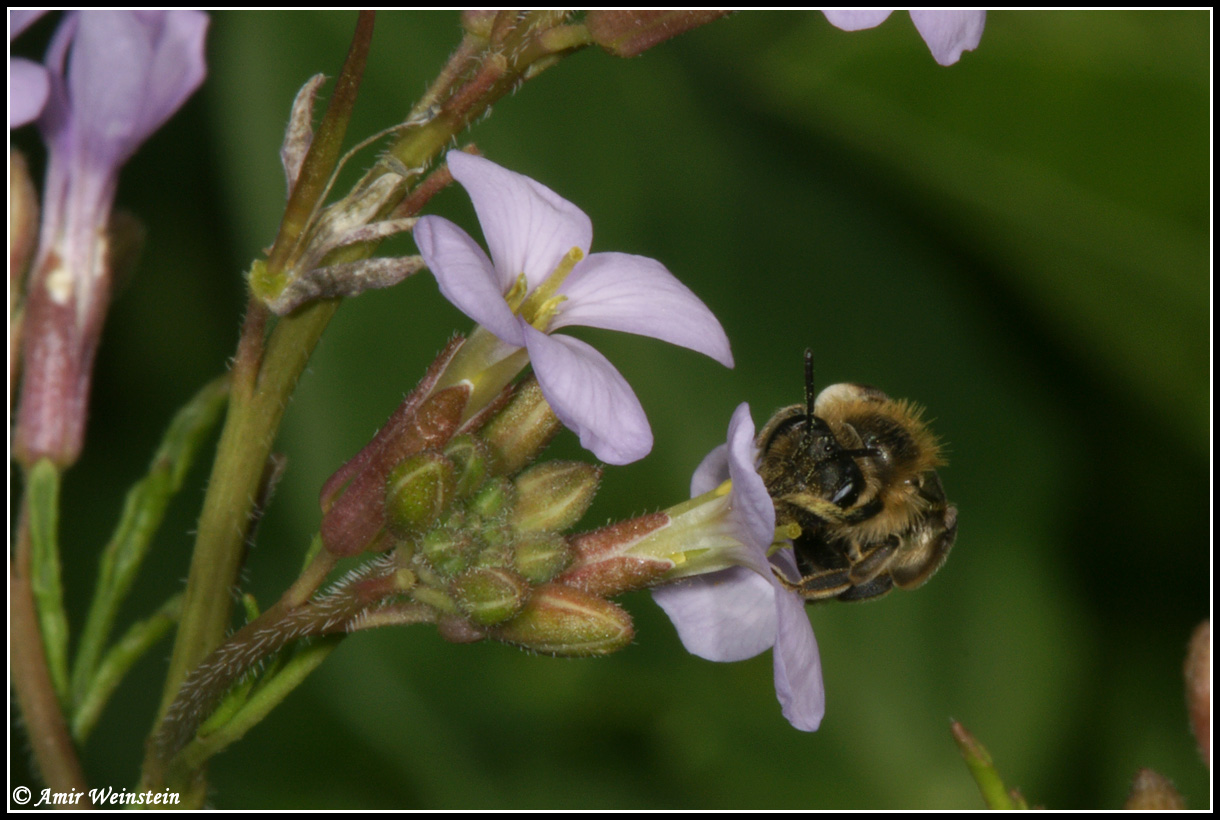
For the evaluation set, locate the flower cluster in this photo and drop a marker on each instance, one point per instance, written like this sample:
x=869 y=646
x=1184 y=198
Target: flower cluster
x=541 y=278
x=111 y=79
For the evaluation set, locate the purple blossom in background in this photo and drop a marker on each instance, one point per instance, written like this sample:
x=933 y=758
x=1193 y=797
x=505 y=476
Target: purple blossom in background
x=114 y=78
x=947 y=33
x=737 y=613
x=532 y=233
x=28 y=85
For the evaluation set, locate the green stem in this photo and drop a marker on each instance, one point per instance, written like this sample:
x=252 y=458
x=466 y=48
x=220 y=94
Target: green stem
x=982 y=769
x=265 y=698
x=42 y=504
x=143 y=512
x=115 y=665
x=52 y=747
x=245 y=444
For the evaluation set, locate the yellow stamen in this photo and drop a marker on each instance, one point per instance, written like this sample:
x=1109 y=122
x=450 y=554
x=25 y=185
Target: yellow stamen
x=544 y=302
x=516 y=294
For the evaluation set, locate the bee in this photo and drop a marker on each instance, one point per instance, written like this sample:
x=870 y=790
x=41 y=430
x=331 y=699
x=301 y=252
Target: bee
x=856 y=471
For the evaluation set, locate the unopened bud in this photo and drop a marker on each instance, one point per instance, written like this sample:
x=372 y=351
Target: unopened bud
x=630 y=33
x=1198 y=673
x=479 y=22
x=353 y=499
x=489 y=596
x=470 y=456
x=1152 y=791
x=456 y=629
x=554 y=495
x=493 y=499
x=541 y=556
x=417 y=491
x=604 y=562
x=560 y=620
x=447 y=551
x=522 y=429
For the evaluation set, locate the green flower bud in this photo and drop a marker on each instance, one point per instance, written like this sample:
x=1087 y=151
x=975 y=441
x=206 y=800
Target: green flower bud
x=417 y=492
x=470 y=456
x=554 y=495
x=456 y=629
x=559 y=620
x=491 y=500
x=631 y=33
x=448 y=551
x=540 y=557
x=522 y=429
x=488 y=595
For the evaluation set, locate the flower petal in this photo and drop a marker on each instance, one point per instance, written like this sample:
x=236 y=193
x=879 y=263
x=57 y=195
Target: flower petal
x=590 y=397
x=725 y=616
x=465 y=276
x=856 y=19
x=711 y=472
x=798 y=667
x=21 y=19
x=949 y=33
x=528 y=227
x=752 y=508
x=635 y=294
x=28 y=89
x=130 y=71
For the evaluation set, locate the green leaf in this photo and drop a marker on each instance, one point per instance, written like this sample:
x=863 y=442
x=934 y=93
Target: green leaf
x=118 y=661
x=142 y=515
x=42 y=499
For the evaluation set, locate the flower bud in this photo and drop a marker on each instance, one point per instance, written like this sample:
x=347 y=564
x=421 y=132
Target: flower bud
x=554 y=495
x=489 y=596
x=470 y=456
x=493 y=498
x=479 y=22
x=417 y=491
x=456 y=629
x=353 y=499
x=630 y=33
x=1153 y=791
x=447 y=551
x=605 y=562
x=540 y=557
x=522 y=429
x=563 y=621
x=1198 y=673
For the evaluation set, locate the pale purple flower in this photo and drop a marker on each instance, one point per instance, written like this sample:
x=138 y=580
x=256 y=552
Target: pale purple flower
x=947 y=33
x=540 y=259
x=28 y=85
x=737 y=613
x=115 y=78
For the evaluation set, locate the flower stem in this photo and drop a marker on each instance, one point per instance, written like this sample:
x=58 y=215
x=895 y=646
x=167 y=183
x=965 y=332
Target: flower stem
x=46 y=728
x=256 y=406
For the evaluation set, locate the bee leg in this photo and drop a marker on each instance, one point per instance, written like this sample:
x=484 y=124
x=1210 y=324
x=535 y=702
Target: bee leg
x=820 y=585
x=873 y=562
x=873 y=589
x=935 y=540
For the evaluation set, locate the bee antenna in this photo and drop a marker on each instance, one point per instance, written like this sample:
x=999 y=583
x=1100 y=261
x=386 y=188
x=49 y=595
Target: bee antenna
x=809 y=395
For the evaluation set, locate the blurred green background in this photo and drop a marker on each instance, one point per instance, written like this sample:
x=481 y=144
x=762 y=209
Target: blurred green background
x=1020 y=242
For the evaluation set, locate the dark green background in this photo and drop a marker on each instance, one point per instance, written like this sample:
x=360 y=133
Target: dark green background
x=1020 y=242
